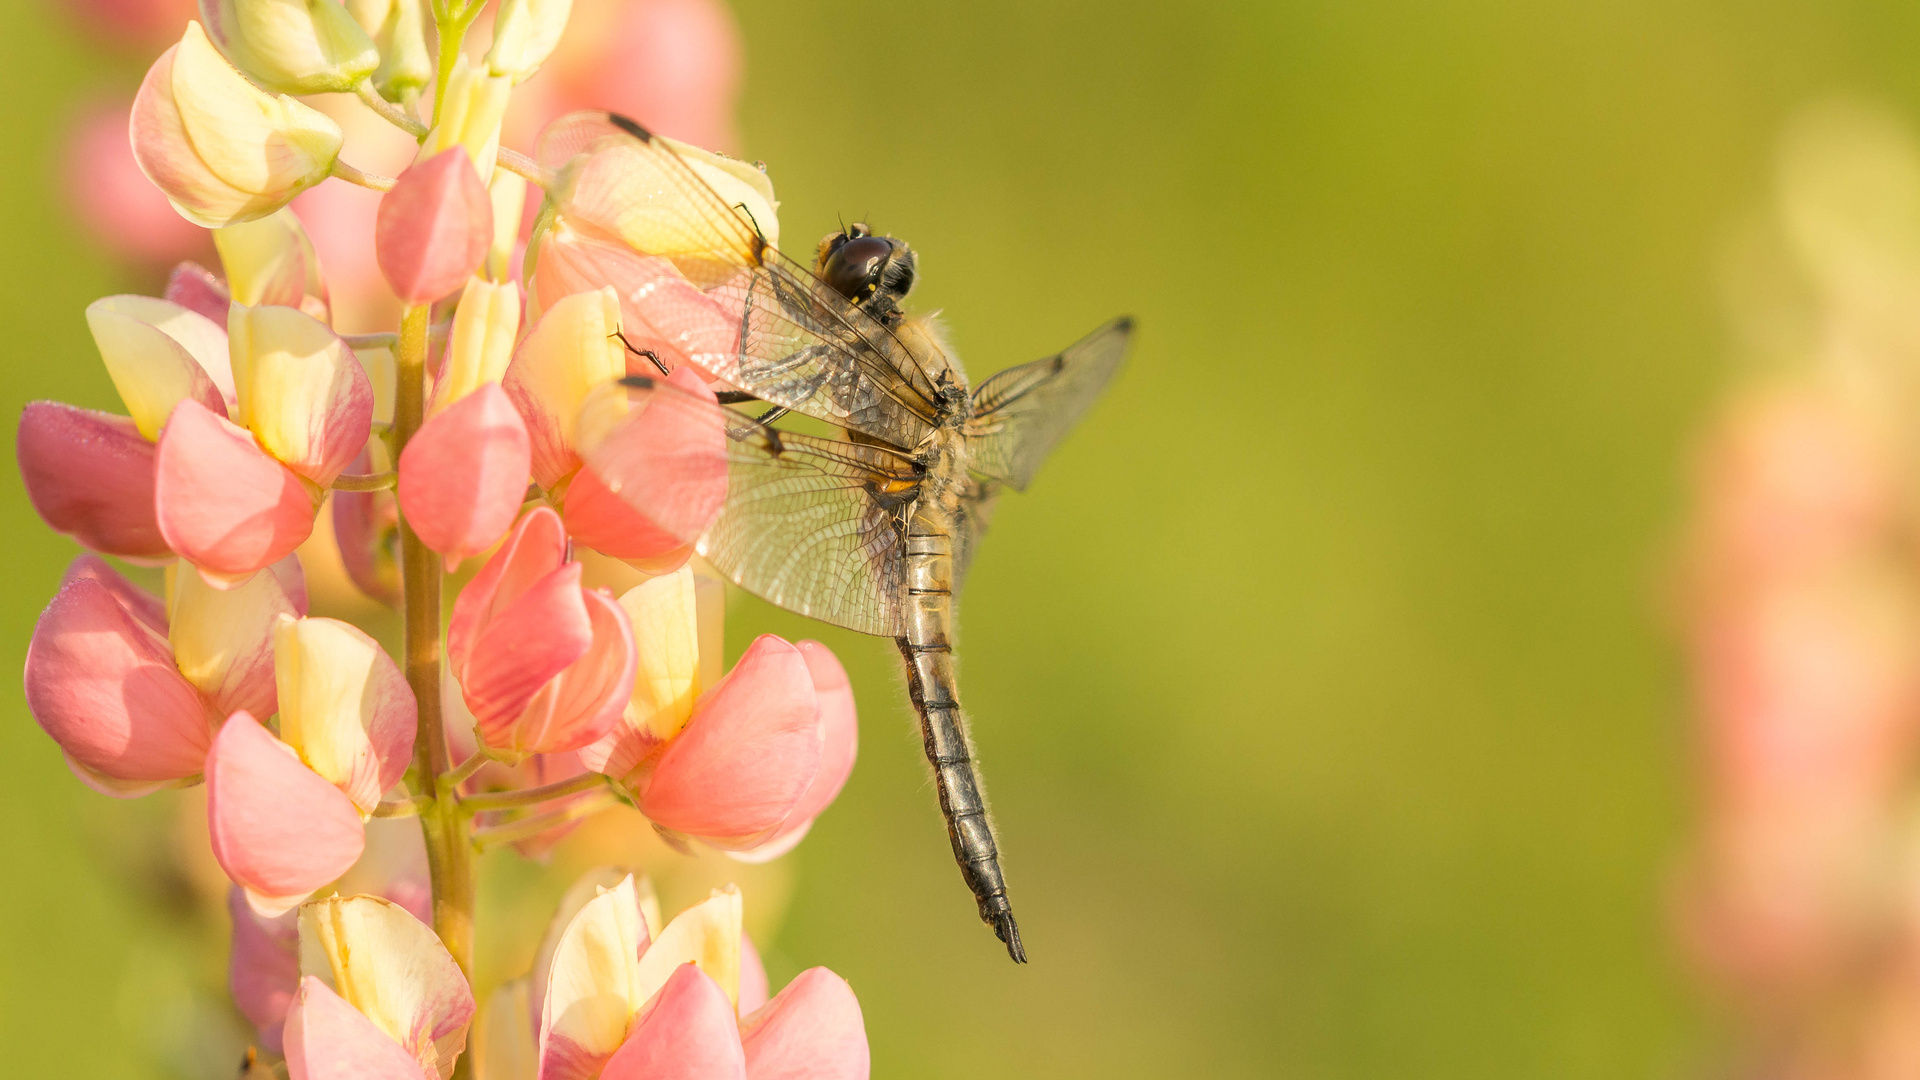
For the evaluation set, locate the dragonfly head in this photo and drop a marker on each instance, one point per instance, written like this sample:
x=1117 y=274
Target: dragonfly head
x=861 y=266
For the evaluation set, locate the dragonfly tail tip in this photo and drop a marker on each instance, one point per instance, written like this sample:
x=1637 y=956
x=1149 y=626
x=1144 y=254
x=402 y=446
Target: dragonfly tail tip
x=1008 y=931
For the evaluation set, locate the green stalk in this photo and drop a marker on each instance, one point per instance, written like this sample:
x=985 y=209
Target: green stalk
x=449 y=844
x=451 y=22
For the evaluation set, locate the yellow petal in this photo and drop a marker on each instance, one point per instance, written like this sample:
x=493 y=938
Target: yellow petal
x=505 y=1044
x=344 y=706
x=295 y=382
x=508 y=192
x=710 y=591
x=392 y=968
x=593 y=984
x=481 y=344
x=273 y=147
x=270 y=260
x=223 y=638
x=471 y=113
x=293 y=46
x=152 y=350
x=378 y=362
x=524 y=35
x=707 y=934
x=665 y=615
x=573 y=350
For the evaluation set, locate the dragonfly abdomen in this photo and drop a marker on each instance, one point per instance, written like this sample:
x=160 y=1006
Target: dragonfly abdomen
x=928 y=650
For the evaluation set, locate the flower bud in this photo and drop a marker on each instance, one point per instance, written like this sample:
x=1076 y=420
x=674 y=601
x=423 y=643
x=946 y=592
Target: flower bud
x=391 y=969
x=223 y=638
x=344 y=706
x=463 y=476
x=221 y=149
x=687 y=1030
x=470 y=116
x=434 y=227
x=398 y=28
x=300 y=390
x=508 y=190
x=279 y=830
x=90 y=475
x=571 y=351
x=481 y=344
x=157 y=354
x=524 y=35
x=272 y=261
x=292 y=46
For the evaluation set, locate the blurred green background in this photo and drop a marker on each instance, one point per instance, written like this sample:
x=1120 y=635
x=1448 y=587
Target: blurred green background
x=1321 y=681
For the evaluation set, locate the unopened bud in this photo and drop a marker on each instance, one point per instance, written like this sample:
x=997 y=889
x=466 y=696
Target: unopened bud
x=434 y=227
x=470 y=116
x=292 y=46
x=398 y=29
x=524 y=35
x=223 y=150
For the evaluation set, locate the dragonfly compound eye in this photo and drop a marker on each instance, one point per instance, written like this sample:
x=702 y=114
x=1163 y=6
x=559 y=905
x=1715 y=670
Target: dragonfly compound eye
x=854 y=268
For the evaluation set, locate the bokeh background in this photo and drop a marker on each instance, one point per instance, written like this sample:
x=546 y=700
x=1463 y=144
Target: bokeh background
x=1326 y=682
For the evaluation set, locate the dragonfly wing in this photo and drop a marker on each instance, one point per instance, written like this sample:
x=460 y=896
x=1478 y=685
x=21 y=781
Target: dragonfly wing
x=1020 y=414
x=813 y=525
x=970 y=524
x=799 y=343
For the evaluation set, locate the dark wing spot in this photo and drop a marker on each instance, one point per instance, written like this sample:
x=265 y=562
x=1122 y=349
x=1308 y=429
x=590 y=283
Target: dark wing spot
x=630 y=126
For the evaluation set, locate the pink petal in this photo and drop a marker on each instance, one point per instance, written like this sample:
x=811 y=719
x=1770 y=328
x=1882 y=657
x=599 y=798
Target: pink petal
x=660 y=310
x=366 y=527
x=753 y=977
x=434 y=227
x=263 y=970
x=842 y=731
x=534 y=639
x=464 y=475
x=605 y=522
x=223 y=504
x=737 y=770
x=103 y=685
x=90 y=475
x=536 y=547
x=812 y=1031
x=140 y=603
x=667 y=459
x=196 y=288
x=327 y=1039
x=278 y=829
x=687 y=1032
x=582 y=703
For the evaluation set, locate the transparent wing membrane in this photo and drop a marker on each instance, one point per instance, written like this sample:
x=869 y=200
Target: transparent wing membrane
x=1020 y=414
x=810 y=524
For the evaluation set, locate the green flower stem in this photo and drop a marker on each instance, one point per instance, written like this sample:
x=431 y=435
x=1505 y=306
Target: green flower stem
x=516 y=162
x=529 y=827
x=379 y=481
x=397 y=115
x=340 y=170
x=449 y=847
x=451 y=20
x=506 y=800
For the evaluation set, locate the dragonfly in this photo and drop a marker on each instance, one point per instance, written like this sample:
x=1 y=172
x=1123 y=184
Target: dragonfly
x=874 y=528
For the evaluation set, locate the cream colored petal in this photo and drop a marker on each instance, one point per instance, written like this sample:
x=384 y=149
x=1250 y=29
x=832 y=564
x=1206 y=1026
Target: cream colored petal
x=392 y=968
x=223 y=638
x=710 y=592
x=665 y=615
x=505 y=1044
x=474 y=106
x=378 y=362
x=293 y=46
x=481 y=345
x=344 y=706
x=707 y=934
x=570 y=352
x=151 y=367
x=524 y=35
x=300 y=389
x=269 y=260
x=593 y=984
x=508 y=191
x=254 y=141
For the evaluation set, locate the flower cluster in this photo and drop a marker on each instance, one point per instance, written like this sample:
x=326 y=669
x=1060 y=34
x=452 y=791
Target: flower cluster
x=487 y=430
